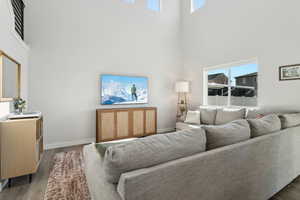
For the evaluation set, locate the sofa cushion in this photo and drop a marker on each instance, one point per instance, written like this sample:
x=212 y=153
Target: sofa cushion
x=228 y=115
x=231 y=133
x=253 y=113
x=208 y=115
x=265 y=125
x=290 y=120
x=193 y=117
x=184 y=126
x=102 y=147
x=152 y=150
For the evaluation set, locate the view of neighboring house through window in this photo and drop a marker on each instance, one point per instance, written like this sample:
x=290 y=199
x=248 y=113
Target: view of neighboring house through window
x=234 y=84
x=153 y=5
x=196 y=4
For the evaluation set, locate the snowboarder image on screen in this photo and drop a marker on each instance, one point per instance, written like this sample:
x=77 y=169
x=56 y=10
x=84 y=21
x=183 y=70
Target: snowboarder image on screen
x=133 y=93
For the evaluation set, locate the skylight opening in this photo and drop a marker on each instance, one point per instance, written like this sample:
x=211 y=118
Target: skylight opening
x=154 y=5
x=197 y=4
x=129 y=1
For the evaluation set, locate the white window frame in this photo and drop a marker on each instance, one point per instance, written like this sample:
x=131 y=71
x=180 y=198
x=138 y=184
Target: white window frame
x=227 y=66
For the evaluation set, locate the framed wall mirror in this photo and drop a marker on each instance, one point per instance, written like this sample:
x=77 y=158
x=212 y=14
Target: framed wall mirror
x=10 y=78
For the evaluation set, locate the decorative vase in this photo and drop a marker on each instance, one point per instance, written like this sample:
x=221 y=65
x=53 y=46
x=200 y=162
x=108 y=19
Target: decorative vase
x=20 y=110
x=19 y=105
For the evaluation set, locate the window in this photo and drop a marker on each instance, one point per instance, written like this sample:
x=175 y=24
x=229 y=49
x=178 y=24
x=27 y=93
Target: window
x=244 y=80
x=232 y=84
x=129 y=1
x=18 y=7
x=196 y=4
x=153 y=5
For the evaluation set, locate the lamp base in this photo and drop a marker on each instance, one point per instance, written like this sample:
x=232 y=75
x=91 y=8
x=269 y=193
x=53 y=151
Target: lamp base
x=182 y=107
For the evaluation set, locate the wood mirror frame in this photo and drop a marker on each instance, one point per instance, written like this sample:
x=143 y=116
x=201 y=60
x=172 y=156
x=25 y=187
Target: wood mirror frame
x=18 y=77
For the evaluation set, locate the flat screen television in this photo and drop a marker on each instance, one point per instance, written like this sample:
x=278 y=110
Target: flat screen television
x=118 y=90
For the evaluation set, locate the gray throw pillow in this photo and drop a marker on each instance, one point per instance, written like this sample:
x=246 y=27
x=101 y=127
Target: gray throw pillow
x=208 y=115
x=227 y=134
x=265 y=125
x=193 y=117
x=102 y=146
x=290 y=120
x=253 y=113
x=151 y=151
x=228 y=115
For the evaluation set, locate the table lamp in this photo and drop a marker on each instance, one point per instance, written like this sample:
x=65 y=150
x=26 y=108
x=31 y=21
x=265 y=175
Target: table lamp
x=182 y=88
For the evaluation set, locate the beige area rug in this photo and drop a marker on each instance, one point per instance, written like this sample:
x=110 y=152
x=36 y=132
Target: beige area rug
x=67 y=180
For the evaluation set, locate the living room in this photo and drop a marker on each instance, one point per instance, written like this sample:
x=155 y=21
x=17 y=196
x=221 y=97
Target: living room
x=65 y=50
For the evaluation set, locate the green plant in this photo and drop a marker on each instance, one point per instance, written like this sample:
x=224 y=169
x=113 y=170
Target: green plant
x=19 y=104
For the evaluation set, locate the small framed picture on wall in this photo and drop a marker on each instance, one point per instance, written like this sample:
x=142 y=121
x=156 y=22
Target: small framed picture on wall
x=289 y=72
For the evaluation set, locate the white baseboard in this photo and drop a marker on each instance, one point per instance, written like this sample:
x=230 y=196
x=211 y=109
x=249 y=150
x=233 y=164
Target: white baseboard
x=89 y=140
x=69 y=143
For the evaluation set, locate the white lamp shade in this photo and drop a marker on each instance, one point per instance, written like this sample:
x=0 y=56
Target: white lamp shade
x=182 y=86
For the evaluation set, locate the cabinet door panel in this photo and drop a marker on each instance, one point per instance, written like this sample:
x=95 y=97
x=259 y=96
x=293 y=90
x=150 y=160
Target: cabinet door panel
x=107 y=125
x=122 y=124
x=150 y=121
x=18 y=148
x=138 y=123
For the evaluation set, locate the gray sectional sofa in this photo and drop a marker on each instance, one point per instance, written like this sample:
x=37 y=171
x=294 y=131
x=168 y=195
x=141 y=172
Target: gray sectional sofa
x=260 y=161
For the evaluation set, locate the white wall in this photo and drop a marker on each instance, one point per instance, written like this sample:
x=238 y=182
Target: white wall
x=12 y=45
x=231 y=30
x=74 y=41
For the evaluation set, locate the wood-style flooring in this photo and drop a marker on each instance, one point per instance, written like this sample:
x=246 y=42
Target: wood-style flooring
x=22 y=190
x=290 y=192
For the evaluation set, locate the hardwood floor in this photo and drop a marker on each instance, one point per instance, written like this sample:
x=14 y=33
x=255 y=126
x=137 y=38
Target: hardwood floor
x=290 y=192
x=22 y=190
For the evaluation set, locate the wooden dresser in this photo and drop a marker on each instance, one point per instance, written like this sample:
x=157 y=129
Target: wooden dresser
x=21 y=147
x=121 y=123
